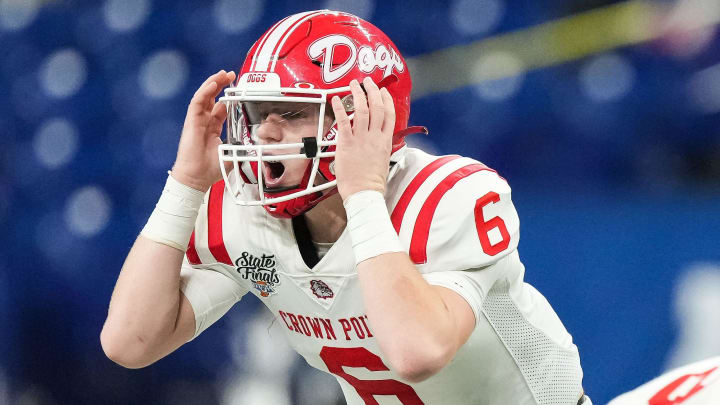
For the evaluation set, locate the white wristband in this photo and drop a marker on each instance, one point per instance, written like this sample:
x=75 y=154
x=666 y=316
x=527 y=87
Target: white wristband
x=173 y=220
x=369 y=224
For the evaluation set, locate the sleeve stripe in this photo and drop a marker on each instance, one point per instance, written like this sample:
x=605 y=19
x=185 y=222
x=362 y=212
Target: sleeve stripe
x=402 y=204
x=216 y=244
x=191 y=252
x=421 y=230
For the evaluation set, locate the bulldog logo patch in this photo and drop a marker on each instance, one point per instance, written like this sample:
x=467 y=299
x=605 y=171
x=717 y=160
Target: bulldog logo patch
x=320 y=289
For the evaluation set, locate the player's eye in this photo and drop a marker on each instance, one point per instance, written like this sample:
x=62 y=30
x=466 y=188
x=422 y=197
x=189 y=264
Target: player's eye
x=295 y=115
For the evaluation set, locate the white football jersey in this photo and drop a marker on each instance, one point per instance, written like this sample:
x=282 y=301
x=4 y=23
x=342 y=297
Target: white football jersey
x=455 y=218
x=694 y=384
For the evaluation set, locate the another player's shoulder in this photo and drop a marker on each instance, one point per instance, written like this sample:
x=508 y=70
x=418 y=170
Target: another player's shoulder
x=694 y=384
x=443 y=204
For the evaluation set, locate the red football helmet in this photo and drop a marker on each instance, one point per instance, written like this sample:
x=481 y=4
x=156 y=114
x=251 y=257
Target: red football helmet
x=304 y=60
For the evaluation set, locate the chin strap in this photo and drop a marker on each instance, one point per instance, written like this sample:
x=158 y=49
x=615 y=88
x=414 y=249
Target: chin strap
x=324 y=194
x=300 y=205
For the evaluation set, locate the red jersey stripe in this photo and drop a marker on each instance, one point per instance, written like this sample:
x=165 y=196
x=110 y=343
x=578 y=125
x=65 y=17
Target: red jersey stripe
x=399 y=211
x=216 y=244
x=191 y=252
x=421 y=231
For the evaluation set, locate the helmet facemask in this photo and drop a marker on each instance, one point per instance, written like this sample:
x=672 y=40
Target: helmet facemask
x=260 y=157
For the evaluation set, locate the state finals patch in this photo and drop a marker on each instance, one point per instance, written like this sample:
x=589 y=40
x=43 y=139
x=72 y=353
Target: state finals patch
x=261 y=271
x=320 y=289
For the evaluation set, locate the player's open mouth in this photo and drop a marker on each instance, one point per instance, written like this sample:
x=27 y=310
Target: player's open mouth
x=273 y=173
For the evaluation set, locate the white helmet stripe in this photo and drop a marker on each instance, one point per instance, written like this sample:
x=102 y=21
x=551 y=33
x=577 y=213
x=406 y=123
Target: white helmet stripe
x=287 y=35
x=265 y=52
x=262 y=42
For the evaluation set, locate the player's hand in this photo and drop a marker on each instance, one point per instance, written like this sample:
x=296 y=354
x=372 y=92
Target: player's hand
x=197 y=164
x=362 y=158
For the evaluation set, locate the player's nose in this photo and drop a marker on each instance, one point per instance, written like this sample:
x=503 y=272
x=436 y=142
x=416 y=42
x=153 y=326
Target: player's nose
x=269 y=131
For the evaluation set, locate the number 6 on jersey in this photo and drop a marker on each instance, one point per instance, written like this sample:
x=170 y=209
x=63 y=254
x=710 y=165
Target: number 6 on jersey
x=484 y=227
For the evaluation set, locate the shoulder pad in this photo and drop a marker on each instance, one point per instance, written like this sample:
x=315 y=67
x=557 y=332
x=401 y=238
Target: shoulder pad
x=454 y=213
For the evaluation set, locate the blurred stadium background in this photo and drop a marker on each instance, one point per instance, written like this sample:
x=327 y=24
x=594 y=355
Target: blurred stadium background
x=604 y=116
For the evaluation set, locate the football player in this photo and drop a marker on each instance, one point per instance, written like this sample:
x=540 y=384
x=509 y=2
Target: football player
x=394 y=270
x=694 y=384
